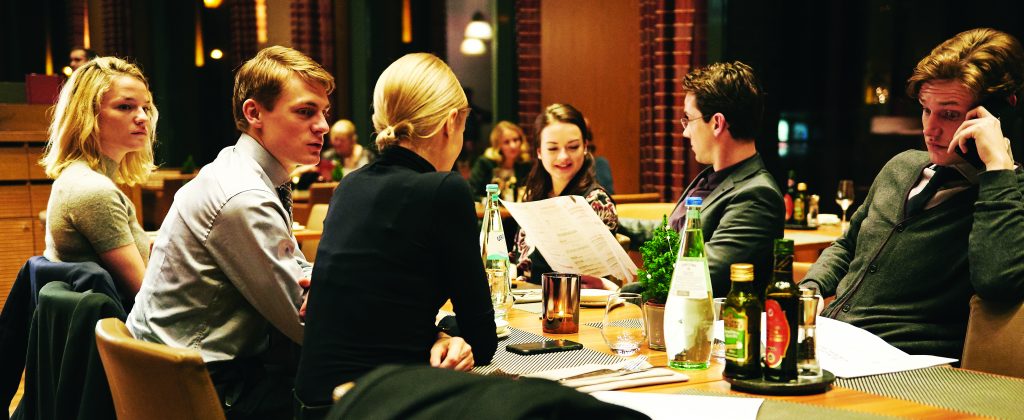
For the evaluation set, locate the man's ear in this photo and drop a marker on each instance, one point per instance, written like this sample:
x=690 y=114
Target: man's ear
x=253 y=113
x=719 y=124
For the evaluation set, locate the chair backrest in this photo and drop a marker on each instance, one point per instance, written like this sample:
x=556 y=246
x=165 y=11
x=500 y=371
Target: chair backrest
x=636 y=198
x=995 y=338
x=321 y=192
x=315 y=222
x=154 y=381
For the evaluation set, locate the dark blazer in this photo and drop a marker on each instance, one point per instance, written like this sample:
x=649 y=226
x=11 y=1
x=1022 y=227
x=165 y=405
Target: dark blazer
x=741 y=219
x=64 y=377
x=21 y=304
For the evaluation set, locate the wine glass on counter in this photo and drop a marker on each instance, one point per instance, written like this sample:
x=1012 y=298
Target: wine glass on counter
x=844 y=197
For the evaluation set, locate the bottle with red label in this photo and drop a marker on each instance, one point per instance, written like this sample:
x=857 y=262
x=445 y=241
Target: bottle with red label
x=781 y=307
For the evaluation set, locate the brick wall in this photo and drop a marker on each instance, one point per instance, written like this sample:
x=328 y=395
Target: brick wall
x=528 y=61
x=671 y=42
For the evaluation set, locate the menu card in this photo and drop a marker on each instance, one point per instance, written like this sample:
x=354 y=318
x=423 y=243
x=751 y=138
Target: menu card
x=571 y=237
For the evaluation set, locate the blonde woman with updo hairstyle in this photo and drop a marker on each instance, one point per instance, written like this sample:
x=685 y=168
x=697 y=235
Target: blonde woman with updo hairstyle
x=506 y=163
x=399 y=240
x=101 y=135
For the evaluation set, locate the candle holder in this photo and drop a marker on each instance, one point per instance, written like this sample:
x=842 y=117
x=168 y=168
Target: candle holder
x=560 y=303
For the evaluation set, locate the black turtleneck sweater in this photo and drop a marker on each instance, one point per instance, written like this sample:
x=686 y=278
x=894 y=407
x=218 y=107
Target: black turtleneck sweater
x=399 y=240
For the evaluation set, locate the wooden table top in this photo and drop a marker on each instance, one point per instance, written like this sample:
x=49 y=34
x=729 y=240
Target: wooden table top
x=711 y=378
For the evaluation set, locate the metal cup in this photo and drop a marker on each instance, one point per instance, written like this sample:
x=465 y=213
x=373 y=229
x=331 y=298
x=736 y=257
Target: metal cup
x=560 y=301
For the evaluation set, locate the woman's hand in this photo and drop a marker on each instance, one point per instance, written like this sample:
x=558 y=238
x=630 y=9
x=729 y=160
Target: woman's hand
x=451 y=353
x=591 y=282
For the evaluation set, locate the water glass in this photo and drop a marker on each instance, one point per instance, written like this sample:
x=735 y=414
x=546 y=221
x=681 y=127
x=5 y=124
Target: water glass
x=624 y=327
x=501 y=293
x=718 y=345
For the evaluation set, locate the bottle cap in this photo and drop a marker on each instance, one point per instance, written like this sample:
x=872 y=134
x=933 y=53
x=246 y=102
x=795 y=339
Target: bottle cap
x=783 y=246
x=801 y=187
x=491 y=188
x=694 y=201
x=742 y=272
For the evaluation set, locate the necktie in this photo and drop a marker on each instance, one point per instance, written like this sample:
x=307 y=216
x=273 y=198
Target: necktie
x=284 y=192
x=942 y=176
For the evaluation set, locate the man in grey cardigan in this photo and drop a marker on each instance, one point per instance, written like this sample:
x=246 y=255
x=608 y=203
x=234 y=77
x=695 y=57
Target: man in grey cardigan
x=742 y=211
x=934 y=229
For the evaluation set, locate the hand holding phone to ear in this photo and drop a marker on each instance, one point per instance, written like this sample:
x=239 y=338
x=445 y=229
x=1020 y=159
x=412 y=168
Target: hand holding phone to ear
x=983 y=133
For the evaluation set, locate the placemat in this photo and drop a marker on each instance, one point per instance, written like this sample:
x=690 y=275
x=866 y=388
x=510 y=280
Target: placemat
x=513 y=363
x=953 y=389
x=624 y=322
x=773 y=409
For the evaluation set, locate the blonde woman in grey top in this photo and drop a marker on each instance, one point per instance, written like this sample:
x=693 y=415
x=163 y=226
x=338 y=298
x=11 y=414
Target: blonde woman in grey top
x=101 y=135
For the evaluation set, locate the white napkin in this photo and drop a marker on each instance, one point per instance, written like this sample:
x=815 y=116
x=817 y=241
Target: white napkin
x=526 y=296
x=647 y=375
x=655 y=376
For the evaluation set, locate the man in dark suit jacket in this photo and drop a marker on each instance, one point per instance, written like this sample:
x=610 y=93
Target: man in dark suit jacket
x=742 y=212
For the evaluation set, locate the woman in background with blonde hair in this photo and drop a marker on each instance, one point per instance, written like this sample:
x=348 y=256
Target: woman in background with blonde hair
x=399 y=240
x=102 y=133
x=506 y=163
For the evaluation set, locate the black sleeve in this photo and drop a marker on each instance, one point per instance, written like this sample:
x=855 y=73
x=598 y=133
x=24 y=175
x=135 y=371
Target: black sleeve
x=480 y=176
x=460 y=267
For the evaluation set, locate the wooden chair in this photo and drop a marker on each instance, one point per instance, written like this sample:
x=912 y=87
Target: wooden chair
x=154 y=381
x=995 y=338
x=315 y=222
x=321 y=192
x=636 y=198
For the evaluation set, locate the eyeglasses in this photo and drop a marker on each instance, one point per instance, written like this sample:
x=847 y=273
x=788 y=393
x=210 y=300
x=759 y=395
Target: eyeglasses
x=686 y=121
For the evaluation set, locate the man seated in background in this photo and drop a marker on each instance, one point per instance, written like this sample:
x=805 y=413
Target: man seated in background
x=742 y=212
x=79 y=56
x=226 y=277
x=935 y=229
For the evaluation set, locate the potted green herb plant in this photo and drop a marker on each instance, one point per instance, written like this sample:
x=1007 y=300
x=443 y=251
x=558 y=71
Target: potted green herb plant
x=659 y=259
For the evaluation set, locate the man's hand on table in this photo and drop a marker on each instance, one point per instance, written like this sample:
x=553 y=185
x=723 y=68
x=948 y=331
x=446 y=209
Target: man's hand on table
x=451 y=353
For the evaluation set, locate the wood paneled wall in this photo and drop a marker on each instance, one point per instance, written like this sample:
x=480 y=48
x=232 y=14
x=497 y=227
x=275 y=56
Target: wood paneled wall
x=590 y=57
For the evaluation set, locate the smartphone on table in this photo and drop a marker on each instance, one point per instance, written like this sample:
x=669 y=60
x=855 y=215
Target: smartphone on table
x=541 y=347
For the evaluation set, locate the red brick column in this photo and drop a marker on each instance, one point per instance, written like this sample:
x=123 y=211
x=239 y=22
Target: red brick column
x=528 y=62
x=671 y=43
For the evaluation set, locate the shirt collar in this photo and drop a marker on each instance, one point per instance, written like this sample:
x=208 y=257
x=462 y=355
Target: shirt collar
x=968 y=171
x=248 y=146
x=716 y=177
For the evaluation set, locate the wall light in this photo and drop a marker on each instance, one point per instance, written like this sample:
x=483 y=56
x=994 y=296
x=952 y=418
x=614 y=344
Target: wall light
x=216 y=54
x=472 y=46
x=479 y=28
x=211 y=4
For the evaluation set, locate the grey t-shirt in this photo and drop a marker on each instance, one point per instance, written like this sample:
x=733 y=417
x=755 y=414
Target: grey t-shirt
x=88 y=215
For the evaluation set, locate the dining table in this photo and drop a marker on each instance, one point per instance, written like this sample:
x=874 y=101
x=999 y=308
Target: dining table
x=841 y=401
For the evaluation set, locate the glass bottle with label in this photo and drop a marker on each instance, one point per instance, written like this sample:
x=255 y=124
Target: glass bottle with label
x=486 y=202
x=688 y=310
x=800 y=205
x=782 y=311
x=494 y=253
x=742 y=315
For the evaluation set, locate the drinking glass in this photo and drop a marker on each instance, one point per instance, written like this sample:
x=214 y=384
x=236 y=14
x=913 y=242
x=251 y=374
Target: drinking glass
x=501 y=294
x=560 y=303
x=844 y=197
x=718 y=345
x=624 y=327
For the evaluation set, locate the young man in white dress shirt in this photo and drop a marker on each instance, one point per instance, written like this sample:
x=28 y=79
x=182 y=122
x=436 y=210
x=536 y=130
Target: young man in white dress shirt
x=226 y=277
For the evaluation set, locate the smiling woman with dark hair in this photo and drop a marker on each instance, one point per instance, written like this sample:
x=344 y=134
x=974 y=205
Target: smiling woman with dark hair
x=563 y=167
